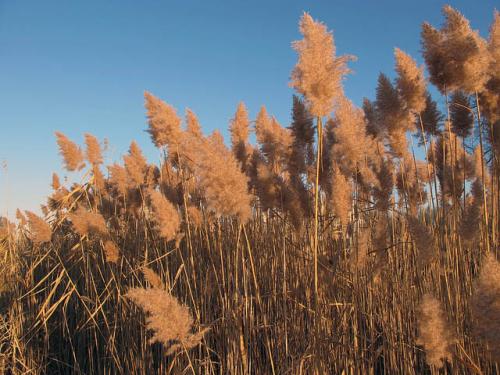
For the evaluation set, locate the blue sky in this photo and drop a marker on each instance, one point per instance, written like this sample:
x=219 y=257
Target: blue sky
x=83 y=66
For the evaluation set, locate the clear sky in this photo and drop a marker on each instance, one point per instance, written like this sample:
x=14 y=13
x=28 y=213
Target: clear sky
x=82 y=66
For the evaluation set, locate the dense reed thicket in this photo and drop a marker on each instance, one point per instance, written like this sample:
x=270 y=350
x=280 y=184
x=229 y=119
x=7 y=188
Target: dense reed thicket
x=326 y=247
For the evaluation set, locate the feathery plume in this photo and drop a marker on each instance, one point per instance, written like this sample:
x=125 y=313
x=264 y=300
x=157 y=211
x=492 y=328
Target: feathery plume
x=39 y=229
x=486 y=305
x=165 y=215
x=170 y=321
x=93 y=151
x=456 y=56
x=431 y=118
x=87 y=222
x=135 y=164
x=111 y=251
x=195 y=216
x=192 y=123
x=152 y=277
x=462 y=117
x=434 y=332
x=239 y=128
x=71 y=153
x=318 y=74
x=341 y=196
x=118 y=178
x=351 y=143
x=224 y=185
x=164 y=124
x=56 y=184
x=410 y=82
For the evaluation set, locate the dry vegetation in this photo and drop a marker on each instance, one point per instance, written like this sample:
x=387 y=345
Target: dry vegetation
x=327 y=247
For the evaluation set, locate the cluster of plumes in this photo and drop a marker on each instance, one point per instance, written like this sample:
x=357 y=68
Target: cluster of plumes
x=318 y=74
x=434 y=332
x=456 y=56
x=170 y=321
x=485 y=305
x=204 y=161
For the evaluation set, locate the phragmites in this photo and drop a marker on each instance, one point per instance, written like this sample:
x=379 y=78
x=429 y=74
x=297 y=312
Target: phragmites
x=39 y=229
x=195 y=216
x=225 y=187
x=341 y=196
x=410 y=82
x=165 y=215
x=430 y=118
x=239 y=134
x=152 y=277
x=274 y=140
x=318 y=74
x=434 y=332
x=93 y=151
x=423 y=239
x=192 y=124
x=170 y=321
x=56 y=184
x=462 y=117
x=135 y=164
x=71 y=153
x=456 y=56
x=486 y=305
x=351 y=143
x=87 y=222
x=118 y=178
x=111 y=251
x=164 y=124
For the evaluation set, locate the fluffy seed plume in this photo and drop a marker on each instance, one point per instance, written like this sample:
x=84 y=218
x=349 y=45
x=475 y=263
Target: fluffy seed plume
x=135 y=164
x=165 y=215
x=39 y=229
x=86 y=222
x=462 y=117
x=56 y=184
x=71 y=153
x=164 y=124
x=152 y=277
x=170 y=321
x=192 y=123
x=341 y=196
x=318 y=74
x=486 y=305
x=239 y=129
x=410 y=82
x=118 y=178
x=434 y=333
x=456 y=56
x=93 y=151
x=111 y=251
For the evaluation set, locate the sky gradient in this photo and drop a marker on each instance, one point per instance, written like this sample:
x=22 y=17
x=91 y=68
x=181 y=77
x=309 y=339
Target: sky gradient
x=83 y=66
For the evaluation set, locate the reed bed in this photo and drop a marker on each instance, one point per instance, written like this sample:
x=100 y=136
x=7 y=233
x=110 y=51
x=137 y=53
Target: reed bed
x=326 y=247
